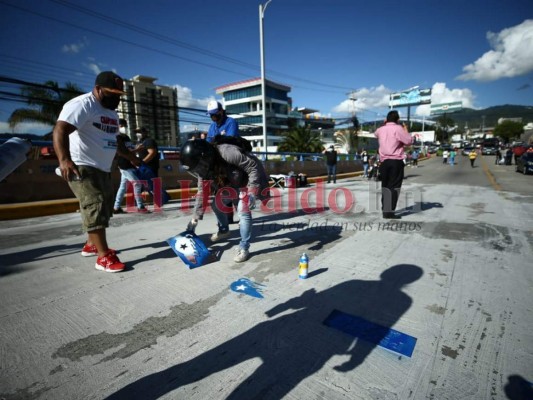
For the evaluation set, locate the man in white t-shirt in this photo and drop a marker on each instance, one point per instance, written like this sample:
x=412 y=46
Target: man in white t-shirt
x=85 y=141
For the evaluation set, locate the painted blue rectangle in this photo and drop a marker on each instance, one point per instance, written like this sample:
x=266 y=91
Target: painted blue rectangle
x=360 y=328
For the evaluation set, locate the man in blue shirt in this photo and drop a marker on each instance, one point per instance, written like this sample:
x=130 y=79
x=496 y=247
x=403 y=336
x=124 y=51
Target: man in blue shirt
x=222 y=124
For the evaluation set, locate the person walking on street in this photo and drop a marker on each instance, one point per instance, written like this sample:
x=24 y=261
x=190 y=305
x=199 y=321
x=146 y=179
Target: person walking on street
x=414 y=158
x=392 y=138
x=221 y=124
x=85 y=141
x=445 y=155
x=453 y=153
x=498 y=156
x=229 y=171
x=472 y=156
x=127 y=173
x=331 y=163
x=365 y=159
x=147 y=150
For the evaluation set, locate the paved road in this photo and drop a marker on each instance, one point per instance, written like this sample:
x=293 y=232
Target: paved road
x=455 y=273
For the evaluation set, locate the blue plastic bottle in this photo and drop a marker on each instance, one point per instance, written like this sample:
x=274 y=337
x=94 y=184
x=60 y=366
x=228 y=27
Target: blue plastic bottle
x=304 y=266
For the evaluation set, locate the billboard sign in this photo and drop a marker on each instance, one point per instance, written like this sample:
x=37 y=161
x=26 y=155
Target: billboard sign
x=411 y=97
x=444 y=108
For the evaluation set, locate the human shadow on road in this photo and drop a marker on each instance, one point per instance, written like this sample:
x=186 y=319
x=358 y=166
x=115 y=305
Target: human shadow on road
x=14 y=262
x=419 y=207
x=283 y=233
x=292 y=346
x=517 y=388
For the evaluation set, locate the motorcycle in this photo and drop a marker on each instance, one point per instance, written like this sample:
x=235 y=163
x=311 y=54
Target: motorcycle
x=373 y=170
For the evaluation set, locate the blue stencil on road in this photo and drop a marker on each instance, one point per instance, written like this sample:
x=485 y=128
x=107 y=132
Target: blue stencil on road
x=246 y=286
x=360 y=328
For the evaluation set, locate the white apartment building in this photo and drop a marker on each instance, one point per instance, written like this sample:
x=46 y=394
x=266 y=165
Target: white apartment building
x=152 y=106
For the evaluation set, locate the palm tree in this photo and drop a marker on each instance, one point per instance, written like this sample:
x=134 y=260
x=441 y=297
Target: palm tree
x=301 y=140
x=45 y=101
x=348 y=139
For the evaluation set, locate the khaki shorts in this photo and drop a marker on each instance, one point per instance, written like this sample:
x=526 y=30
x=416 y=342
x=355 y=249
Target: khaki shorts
x=95 y=194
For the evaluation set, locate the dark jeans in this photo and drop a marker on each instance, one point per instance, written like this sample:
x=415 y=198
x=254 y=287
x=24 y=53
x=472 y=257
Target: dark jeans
x=332 y=171
x=391 y=181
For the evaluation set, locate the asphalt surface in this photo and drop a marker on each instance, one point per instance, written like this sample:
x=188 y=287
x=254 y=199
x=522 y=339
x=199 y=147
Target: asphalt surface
x=454 y=273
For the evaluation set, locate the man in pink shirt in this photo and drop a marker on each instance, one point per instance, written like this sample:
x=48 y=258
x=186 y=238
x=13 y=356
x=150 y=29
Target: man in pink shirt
x=392 y=137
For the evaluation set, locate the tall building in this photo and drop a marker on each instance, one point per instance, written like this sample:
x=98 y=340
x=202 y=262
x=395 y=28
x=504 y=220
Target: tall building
x=154 y=107
x=243 y=101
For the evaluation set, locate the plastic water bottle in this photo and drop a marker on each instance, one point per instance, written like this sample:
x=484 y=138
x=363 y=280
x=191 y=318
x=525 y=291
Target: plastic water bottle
x=73 y=177
x=304 y=266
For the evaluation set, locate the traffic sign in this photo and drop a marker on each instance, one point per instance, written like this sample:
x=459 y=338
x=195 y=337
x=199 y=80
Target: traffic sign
x=445 y=108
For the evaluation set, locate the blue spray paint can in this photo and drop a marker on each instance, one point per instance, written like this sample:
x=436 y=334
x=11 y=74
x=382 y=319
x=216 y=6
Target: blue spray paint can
x=304 y=266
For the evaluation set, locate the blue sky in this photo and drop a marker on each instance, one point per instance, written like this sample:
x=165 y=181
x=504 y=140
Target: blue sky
x=479 y=52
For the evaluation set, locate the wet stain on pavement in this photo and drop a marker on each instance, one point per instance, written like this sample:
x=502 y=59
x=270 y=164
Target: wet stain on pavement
x=449 y=352
x=436 y=309
x=478 y=209
x=447 y=255
x=493 y=237
x=141 y=336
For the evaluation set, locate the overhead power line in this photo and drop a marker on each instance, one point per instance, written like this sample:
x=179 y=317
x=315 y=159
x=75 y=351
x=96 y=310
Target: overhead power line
x=169 y=40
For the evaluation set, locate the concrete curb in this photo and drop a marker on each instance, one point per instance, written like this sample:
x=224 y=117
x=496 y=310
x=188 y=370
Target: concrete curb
x=64 y=206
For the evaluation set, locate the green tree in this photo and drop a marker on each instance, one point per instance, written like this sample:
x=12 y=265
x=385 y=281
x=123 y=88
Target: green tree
x=45 y=101
x=444 y=123
x=301 y=140
x=508 y=130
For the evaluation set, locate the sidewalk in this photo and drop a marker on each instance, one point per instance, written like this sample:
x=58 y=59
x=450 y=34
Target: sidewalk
x=64 y=206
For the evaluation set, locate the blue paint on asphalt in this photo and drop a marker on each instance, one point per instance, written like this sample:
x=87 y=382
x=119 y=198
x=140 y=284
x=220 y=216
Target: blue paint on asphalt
x=246 y=286
x=360 y=328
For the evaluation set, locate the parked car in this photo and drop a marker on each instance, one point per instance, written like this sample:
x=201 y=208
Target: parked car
x=524 y=163
x=467 y=149
x=488 y=151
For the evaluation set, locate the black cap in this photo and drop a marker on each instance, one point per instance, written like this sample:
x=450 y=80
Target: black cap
x=110 y=81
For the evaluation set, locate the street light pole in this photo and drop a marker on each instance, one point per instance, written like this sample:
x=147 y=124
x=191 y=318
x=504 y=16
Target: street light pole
x=262 y=10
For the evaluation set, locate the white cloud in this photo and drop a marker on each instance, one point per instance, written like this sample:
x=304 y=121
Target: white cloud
x=378 y=98
x=185 y=98
x=93 y=67
x=367 y=98
x=511 y=55
x=441 y=94
x=75 y=47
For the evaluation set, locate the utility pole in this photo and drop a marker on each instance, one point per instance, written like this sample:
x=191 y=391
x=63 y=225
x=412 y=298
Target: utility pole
x=262 y=10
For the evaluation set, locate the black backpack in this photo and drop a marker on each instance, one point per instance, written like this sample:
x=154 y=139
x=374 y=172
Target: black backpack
x=238 y=141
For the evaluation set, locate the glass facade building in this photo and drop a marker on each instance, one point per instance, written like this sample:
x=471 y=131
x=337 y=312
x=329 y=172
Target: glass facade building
x=243 y=101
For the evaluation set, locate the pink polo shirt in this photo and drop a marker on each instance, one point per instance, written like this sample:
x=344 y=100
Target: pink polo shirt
x=392 y=137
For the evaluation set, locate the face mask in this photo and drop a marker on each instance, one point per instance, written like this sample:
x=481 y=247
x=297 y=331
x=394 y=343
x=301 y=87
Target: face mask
x=110 y=102
x=201 y=170
x=139 y=136
x=122 y=130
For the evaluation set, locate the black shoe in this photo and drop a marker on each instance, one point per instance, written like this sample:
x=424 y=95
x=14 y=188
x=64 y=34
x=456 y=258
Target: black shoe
x=390 y=215
x=118 y=211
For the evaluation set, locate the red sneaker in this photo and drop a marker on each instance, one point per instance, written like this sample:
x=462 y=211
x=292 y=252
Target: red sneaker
x=109 y=263
x=89 y=250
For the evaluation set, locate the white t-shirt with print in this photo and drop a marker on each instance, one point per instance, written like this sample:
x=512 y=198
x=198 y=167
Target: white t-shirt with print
x=94 y=142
